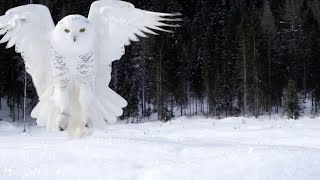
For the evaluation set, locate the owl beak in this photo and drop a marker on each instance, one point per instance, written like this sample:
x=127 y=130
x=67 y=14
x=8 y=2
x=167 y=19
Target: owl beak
x=74 y=38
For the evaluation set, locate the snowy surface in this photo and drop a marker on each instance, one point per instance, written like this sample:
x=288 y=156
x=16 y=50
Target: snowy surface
x=197 y=148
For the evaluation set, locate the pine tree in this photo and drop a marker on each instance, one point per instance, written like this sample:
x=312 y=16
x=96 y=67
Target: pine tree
x=311 y=44
x=293 y=106
x=269 y=30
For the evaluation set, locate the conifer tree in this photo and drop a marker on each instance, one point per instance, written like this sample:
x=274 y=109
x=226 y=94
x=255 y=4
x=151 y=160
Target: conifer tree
x=292 y=106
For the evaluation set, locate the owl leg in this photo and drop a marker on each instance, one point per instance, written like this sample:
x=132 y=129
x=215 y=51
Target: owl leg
x=85 y=100
x=62 y=96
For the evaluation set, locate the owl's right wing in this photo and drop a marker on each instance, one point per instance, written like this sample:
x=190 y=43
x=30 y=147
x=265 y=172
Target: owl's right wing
x=27 y=28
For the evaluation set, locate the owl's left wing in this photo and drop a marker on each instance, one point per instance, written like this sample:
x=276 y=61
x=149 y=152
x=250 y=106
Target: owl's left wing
x=117 y=24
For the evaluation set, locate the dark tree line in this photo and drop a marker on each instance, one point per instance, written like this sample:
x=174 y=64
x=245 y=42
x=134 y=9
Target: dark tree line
x=229 y=58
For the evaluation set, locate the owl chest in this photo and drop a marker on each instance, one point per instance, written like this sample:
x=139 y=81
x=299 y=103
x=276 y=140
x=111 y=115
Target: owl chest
x=79 y=67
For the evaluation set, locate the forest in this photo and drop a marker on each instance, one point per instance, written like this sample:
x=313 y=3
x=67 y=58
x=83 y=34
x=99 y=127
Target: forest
x=228 y=58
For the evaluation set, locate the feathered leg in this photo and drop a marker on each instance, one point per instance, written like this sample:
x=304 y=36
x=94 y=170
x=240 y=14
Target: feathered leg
x=63 y=102
x=85 y=99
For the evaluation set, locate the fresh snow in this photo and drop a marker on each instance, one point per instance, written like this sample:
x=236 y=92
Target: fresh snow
x=186 y=148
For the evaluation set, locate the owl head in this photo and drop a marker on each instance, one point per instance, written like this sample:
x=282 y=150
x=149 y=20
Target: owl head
x=73 y=33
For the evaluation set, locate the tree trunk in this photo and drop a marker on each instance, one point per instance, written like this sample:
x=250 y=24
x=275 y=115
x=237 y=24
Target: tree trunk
x=269 y=73
x=256 y=97
x=244 y=76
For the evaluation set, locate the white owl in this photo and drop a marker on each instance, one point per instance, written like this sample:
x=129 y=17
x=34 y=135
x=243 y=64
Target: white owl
x=70 y=63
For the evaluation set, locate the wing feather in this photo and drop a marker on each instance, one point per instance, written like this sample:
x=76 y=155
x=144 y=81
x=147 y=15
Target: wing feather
x=27 y=27
x=117 y=24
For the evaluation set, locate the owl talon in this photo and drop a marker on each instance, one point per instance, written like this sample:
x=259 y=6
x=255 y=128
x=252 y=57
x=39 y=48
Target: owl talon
x=88 y=124
x=61 y=129
x=63 y=122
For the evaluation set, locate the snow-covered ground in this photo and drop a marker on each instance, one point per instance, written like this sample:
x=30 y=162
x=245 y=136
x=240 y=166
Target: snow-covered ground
x=197 y=148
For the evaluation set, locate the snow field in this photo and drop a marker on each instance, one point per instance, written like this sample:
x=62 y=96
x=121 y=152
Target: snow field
x=186 y=148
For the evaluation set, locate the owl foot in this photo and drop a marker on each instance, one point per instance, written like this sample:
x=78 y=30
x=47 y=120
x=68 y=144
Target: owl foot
x=88 y=126
x=63 y=122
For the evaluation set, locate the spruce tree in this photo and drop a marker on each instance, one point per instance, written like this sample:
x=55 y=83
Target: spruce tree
x=292 y=106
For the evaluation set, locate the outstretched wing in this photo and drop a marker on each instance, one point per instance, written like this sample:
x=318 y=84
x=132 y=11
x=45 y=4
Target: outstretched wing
x=117 y=24
x=27 y=27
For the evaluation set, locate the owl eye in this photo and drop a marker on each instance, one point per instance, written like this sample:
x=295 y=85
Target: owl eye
x=66 y=30
x=82 y=30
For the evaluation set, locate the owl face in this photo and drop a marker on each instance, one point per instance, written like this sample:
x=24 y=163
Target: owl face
x=74 y=33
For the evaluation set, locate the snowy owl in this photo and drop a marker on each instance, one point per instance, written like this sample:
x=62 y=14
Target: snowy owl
x=70 y=63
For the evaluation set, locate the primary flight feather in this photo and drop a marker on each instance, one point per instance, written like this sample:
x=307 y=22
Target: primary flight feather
x=70 y=63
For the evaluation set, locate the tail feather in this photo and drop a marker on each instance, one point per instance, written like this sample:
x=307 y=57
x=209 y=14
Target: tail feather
x=115 y=98
x=108 y=115
x=104 y=107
